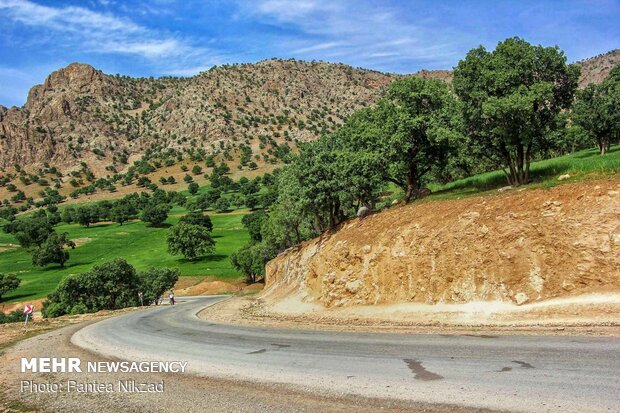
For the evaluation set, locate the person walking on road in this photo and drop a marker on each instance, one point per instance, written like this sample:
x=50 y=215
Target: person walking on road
x=171 y=295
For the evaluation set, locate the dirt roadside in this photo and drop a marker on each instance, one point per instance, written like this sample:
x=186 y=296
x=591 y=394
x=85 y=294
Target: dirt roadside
x=574 y=319
x=182 y=392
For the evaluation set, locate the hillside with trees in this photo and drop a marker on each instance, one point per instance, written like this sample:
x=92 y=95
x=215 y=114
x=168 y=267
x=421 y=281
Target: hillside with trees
x=511 y=106
x=86 y=134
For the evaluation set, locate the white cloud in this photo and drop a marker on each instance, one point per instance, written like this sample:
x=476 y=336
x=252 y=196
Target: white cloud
x=358 y=32
x=95 y=31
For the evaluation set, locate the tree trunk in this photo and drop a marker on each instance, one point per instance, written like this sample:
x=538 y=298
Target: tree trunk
x=519 y=165
x=528 y=159
x=412 y=187
x=412 y=182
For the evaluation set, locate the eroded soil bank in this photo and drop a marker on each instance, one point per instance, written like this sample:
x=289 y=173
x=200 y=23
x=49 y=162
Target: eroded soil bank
x=534 y=255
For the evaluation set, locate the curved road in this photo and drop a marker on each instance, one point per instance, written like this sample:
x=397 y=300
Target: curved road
x=514 y=373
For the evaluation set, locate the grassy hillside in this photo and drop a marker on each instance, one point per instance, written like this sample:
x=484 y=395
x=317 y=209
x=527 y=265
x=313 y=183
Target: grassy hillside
x=141 y=245
x=579 y=165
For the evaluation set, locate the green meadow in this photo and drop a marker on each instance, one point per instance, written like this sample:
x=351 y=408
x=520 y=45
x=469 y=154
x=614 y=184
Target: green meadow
x=141 y=245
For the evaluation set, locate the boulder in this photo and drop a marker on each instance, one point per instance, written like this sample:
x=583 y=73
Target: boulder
x=363 y=212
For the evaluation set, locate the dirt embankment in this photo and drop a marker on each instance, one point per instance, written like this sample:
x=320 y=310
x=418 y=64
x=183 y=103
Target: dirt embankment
x=515 y=248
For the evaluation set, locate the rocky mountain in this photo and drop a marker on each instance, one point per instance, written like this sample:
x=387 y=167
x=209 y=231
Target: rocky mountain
x=81 y=114
x=597 y=68
x=255 y=111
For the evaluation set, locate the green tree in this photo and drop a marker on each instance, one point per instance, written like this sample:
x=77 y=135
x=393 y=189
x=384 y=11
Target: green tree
x=198 y=218
x=250 y=260
x=86 y=215
x=597 y=110
x=222 y=205
x=222 y=169
x=237 y=200
x=192 y=241
x=32 y=232
x=122 y=211
x=155 y=214
x=193 y=188
x=251 y=201
x=212 y=195
x=52 y=251
x=417 y=125
x=109 y=286
x=196 y=170
x=8 y=283
x=288 y=224
x=511 y=98
x=362 y=145
x=210 y=161
x=155 y=281
x=253 y=223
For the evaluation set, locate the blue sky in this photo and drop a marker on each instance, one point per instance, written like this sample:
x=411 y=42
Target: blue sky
x=184 y=37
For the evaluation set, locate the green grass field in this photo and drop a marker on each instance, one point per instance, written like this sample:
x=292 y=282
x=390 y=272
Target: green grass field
x=141 y=245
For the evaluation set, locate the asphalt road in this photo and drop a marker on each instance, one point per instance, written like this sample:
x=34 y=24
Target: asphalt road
x=514 y=373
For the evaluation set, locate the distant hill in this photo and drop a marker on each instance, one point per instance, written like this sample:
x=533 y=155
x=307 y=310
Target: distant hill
x=81 y=114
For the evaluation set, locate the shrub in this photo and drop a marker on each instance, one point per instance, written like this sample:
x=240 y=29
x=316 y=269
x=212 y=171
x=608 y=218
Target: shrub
x=109 y=286
x=16 y=316
x=8 y=283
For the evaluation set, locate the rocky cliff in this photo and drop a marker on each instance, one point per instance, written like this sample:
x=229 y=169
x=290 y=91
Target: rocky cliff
x=519 y=247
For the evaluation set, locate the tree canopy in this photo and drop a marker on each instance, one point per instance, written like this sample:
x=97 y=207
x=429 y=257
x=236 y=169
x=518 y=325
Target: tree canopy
x=8 y=282
x=597 y=110
x=190 y=240
x=511 y=97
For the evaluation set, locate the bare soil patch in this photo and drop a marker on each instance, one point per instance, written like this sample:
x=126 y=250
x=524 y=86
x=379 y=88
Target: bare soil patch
x=81 y=241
